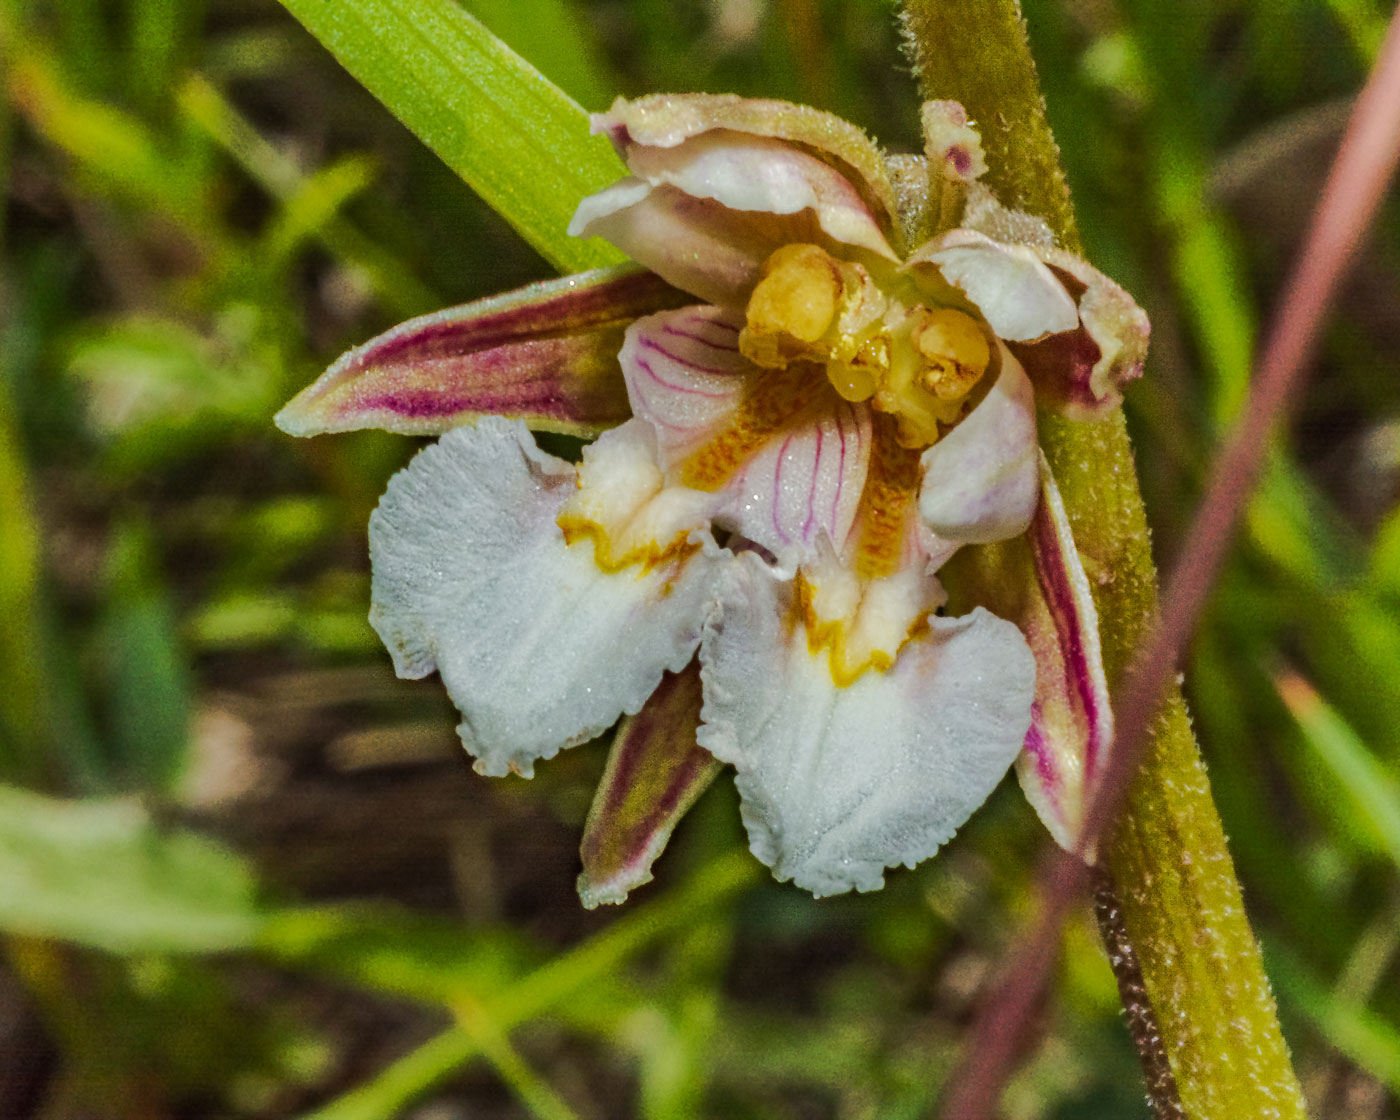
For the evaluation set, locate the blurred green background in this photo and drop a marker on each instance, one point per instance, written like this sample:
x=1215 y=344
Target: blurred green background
x=273 y=886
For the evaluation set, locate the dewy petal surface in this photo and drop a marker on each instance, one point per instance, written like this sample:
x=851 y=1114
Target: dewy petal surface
x=685 y=376
x=783 y=488
x=667 y=120
x=981 y=481
x=756 y=174
x=472 y=578
x=840 y=783
x=1018 y=295
x=545 y=353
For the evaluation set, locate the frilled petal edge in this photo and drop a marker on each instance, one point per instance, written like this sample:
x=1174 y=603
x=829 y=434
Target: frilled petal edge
x=472 y=577
x=840 y=783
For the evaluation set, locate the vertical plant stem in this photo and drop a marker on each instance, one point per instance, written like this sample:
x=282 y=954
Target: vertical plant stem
x=1180 y=900
x=1141 y=1019
x=22 y=722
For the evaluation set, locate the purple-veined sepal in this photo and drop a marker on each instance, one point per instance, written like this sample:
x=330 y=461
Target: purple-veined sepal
x=655 y=772
x=1071 y=720
x=545 y=354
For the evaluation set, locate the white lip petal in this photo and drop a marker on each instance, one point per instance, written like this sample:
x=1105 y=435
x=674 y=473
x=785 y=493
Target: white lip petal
x=981 y=481
x=539 y=648
x=840 y=783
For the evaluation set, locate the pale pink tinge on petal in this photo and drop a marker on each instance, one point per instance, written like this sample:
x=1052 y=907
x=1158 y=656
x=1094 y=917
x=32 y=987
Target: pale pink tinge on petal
x=759 y=175
x=1018 y=295
x=1072 y=720
x=546 y=354
x=667 y=120
x=685 y=376
x=655 y=771
x=1083 y=371
x=696 y=244
x=981 y=481
x=688 y=382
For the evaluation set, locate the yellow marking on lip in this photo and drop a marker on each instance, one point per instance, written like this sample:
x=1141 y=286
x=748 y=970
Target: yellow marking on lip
x=646 y=557
x=846 y=665
x=776 y=400
x=887 y=502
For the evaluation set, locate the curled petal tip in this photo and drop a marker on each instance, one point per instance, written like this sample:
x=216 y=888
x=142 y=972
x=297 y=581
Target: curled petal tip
x=1084 y=371
x=655 y=773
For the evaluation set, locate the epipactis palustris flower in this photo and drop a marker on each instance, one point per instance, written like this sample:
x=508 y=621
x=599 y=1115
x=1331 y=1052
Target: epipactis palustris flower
x=824 y=384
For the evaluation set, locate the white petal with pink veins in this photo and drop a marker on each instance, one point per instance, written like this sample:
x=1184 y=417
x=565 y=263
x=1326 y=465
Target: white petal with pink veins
x=840 y=783
x=685 y=375
x=981 y=481
x=539 y=647
x=803 y=485
x=686 y=379
x=1020 y=297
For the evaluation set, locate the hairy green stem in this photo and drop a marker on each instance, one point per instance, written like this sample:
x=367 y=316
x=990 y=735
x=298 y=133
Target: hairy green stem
x=1181 y=903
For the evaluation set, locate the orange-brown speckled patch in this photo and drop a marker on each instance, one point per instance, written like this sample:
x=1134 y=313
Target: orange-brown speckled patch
x=888 y=501
x=775 y=401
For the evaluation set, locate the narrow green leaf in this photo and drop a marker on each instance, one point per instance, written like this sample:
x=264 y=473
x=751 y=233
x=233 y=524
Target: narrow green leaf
x=1364 y=1036
x=22 y=710
x=102 y=874
x=517 y=139
x=536 y=994
x=557 y=37
x=201 y=103
x=1373 y=794
x=148 y=679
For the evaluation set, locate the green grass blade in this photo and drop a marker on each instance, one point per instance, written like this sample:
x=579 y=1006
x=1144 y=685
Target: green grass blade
x=516 y=138
x=1363 y=1035
x=532 y=996
x=21 y=701
x=1374 y=795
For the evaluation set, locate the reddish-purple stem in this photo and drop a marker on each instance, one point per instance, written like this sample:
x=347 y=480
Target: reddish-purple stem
x=1364 y=166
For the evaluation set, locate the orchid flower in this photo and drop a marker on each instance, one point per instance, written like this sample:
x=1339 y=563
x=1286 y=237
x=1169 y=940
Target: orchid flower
x=823 y=385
